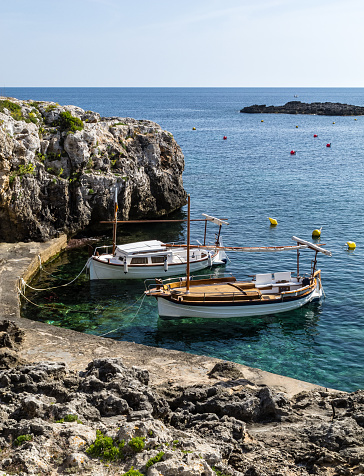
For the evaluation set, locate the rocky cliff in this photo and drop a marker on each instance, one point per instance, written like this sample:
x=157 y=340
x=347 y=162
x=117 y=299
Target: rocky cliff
x=298 y=107
x=60 y=166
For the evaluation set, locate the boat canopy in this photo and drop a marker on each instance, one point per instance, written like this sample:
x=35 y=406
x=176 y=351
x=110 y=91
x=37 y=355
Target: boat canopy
x=150 y=246
x=217 y=221
x=312 y=246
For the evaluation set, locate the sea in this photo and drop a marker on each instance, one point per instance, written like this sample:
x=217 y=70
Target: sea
x=246 y=178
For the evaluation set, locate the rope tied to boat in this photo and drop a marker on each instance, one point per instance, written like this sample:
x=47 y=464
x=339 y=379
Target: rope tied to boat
x=142 y=297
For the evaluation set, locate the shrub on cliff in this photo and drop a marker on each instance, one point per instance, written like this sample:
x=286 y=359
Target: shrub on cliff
x=15 y=109
x=68 y=122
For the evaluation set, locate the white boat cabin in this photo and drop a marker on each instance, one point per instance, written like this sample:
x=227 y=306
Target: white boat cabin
x=154 y=252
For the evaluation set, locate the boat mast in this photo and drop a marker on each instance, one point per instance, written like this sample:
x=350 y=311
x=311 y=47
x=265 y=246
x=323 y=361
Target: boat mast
x=115 y=221
x=188 y=244
x=204 y=236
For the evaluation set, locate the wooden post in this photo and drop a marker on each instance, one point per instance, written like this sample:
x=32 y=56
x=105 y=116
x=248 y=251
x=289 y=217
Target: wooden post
x=188 y=244
x=204 y=237
x=298 y=261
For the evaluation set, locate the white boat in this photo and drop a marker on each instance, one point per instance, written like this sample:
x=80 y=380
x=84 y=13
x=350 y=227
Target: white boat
x=228 y=297
x=153 y=258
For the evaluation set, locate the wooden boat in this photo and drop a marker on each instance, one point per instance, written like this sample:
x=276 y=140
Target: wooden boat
x=153 y=258
x=227 y=297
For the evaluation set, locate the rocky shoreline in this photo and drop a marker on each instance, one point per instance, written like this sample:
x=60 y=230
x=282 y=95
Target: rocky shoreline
x=108 y=419
x=68 y=407
x=60 y=167
x=298 y=107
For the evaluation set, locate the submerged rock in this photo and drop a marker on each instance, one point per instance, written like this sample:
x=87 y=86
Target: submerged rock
x=60 y=166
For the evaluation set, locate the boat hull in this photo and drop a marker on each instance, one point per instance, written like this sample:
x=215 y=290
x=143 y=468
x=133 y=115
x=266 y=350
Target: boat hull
x=102 y=270
x=170 y=309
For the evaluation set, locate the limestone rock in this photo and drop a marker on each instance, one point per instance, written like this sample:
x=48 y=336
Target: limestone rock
x=57 y=180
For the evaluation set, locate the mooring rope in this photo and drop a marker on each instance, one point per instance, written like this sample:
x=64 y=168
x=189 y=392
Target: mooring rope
x=123 y=310
x=59 y=307
x=55 y=287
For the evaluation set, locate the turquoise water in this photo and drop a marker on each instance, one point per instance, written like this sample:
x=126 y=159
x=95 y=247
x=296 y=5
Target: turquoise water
x=245 y=178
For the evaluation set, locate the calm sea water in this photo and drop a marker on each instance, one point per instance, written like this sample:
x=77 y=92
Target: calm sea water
x=245 y=178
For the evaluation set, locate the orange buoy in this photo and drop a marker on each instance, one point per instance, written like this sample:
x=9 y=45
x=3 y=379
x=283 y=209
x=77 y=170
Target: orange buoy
x=328 y=145
x=293 y=152
x=224 y=137
x=315 y=135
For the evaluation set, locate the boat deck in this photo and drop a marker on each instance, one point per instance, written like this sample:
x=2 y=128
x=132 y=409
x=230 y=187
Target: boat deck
x=221 y=292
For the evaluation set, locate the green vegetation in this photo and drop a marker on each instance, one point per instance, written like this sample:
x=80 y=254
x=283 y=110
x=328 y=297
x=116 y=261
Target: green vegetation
x=154 y=460
x=137 y=443
x=70 y=123
x=105 y=448
x=218 y=472
x=33 y=118
x=21 y=439
x=119 y=124
x=34 y=104
x=15 y=109
x=132 y=472
x=51 y=107
x=91 y=191
x=22 y=170
x=69 y=418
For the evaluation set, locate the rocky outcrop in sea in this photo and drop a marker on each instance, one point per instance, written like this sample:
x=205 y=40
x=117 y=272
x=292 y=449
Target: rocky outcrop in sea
x=298 y=107
x=60 y=165
x=107 y=419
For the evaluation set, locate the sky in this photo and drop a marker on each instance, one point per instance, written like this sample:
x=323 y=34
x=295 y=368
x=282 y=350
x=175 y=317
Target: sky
x=184 y=43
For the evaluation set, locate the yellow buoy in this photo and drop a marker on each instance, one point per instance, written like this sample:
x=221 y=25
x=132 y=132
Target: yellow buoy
x=316 y=233
x=262 y=120
x=296 y=127
x=333 y=122
x=355 y=119
x=351 y=245
x=193 y=128
x=273 y=221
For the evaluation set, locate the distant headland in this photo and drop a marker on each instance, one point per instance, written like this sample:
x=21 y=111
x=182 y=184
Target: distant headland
x=298 y=107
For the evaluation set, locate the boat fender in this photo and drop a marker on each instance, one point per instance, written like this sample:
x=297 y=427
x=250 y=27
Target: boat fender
x=125 y=266
x=209 y=259
x=165 y=265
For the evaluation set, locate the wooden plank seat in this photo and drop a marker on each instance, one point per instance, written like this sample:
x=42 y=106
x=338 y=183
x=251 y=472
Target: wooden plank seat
x=229 y=297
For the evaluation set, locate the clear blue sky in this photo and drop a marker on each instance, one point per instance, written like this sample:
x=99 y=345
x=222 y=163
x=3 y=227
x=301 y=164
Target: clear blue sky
x=236 y=43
